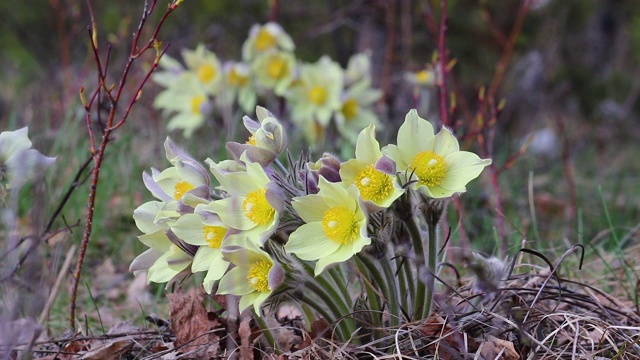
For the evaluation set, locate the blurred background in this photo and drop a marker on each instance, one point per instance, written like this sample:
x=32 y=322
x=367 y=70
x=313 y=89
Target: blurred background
x=567 y=71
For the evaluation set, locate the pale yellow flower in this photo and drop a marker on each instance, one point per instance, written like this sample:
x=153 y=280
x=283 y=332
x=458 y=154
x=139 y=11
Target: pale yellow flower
x=254 y=203
x=434 y=163
x=336 y=225
x=206 y=67
x=237 y=85
x=264 y=38
x=356 y=111
x=187 y=102
x=254 y=277
x=375 y=186
x=207 y=231
x=274 y=70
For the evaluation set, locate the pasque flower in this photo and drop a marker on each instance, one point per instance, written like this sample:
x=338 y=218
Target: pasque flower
x=254 y=277
x=20 y=163
x=336 y=225
x=254 y=203
x=207 y=231
x=375 y=186
x=433 y=162
x=267 y=140
x=267 y=37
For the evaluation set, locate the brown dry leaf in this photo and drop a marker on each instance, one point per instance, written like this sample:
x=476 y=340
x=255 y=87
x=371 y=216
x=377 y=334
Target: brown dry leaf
x=438 y=329
x=492 y=347
x=116 y=347
x=244 y=331
x=190 y=323
x=111 y=350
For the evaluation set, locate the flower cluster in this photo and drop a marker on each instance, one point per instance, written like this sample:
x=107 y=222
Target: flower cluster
x=263 y=222
x=316 y=94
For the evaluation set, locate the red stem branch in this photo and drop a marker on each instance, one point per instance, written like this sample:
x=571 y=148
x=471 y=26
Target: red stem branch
x=108 y=127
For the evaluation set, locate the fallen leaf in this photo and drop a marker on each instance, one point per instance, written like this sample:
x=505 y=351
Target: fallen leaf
x=244 y=331
x=492 y=347
x=191 y=324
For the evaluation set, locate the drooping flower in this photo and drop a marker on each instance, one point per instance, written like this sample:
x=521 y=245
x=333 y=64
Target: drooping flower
x=358 y=68
x=19 y=163
x=187 y=182
x=237 y=85
x=163 y=261
x=263 y=38
x=254 y=204
x=254 y=277
x=267 y=140
x=207 y=231
x=274 y=70
x=434 y=162
x=336 y=225
x=375 y=186
x=188 y=103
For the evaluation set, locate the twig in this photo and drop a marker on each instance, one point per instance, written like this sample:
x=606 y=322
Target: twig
x=74 y=185
x=56 y=287
x=109 y=126
x=442 y=56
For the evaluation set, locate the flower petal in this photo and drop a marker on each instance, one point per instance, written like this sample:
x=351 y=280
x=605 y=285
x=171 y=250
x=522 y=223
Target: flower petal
x=367 y=147
x=464 y=166
x=231 y=213
x=309 y=242
x=445 y=143
x=235 y=282
x=310 y=207
x=415 y=134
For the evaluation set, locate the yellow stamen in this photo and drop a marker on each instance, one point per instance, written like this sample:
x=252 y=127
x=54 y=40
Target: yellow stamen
x=350 y=109
x=424 y=76
x=257 y=209
x=236 y=79
x=213 y=235
x=206 y=73
x=258 y=275
x=373 y=184
x=317 y=95
x=181 y=188
x=277 y=68
x=251 y=140
x=196 y=103
x=430 y=168
x=340 y=225
x=264 y=40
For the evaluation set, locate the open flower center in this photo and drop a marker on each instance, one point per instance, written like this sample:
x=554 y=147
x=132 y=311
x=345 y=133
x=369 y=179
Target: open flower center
x=213 y=235
x=424 y=77
x=236 y=79
x=196 y=104
x=429 y=167
x=251 y=140
x=258 y=275
x=340 y=225
x=264 y=40
x=181 y=188
x=317 y=95
x=277 y=68
x=206 y=73
x=256 y=207
x=350 y=109
x=373 y=184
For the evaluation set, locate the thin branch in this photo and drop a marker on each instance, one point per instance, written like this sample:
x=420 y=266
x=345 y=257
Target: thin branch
x=98 y=154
